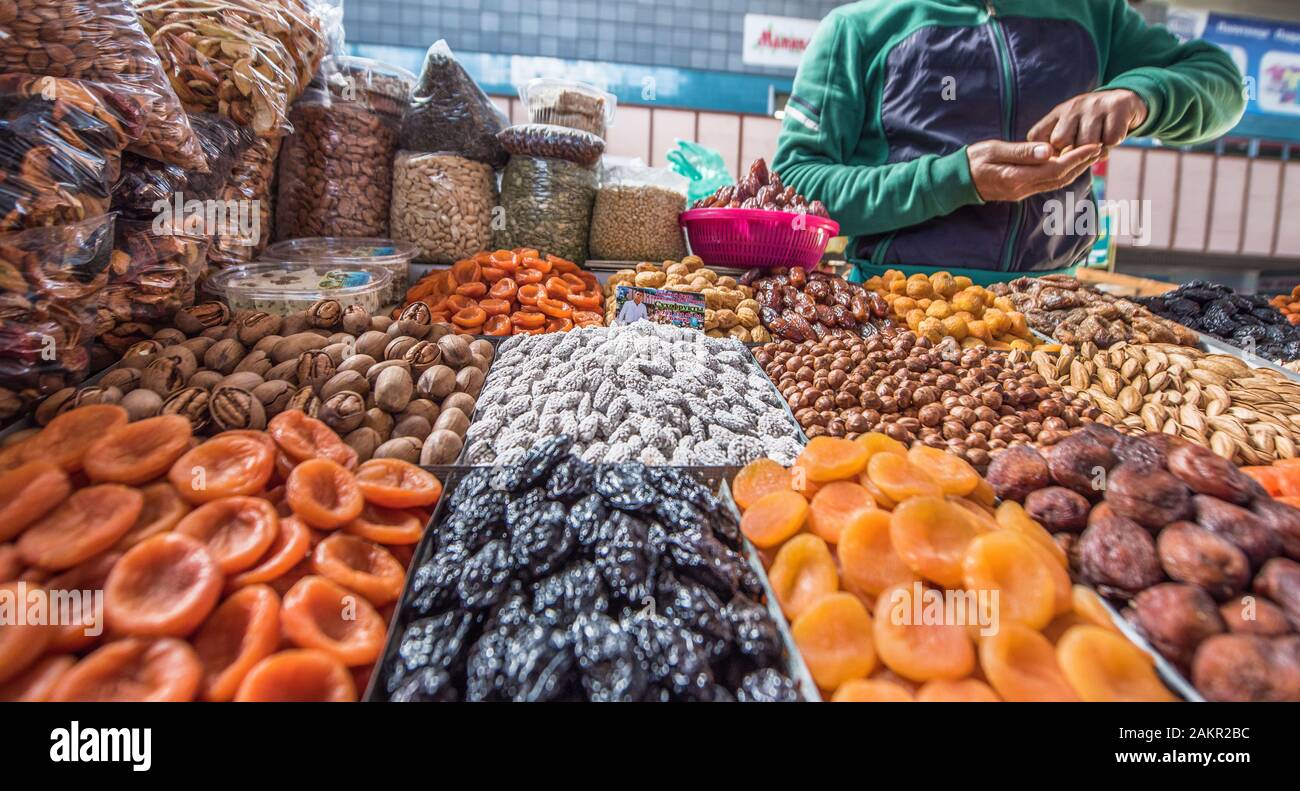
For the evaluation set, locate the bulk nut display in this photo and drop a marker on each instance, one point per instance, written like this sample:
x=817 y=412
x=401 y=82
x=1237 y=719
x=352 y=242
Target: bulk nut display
x=941 y=306
x=729 y=308
x=397 y=389
x=443 y=204
x=1190 y=542
x=857 y=522
x=637 y=222
x=546 y=205
x=804 y=306
x=1249 y=322
x=555 y=142
x=761 y=189
x=1247 y=415
x=654 y=393
x=972 y=402
x=1073 y=313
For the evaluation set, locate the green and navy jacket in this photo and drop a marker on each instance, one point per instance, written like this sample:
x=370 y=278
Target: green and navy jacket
x=890 y=93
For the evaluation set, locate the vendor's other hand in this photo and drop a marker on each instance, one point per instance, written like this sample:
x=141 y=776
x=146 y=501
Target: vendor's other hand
x=1105 y=117
x=1005 y=171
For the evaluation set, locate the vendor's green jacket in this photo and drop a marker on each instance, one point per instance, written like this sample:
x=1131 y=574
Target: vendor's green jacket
x=890 y=93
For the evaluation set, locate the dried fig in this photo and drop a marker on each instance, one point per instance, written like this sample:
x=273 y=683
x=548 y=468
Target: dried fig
x=1254 y=615
x=1241 y=527
x=1208 y=473
x=1279 y=580
x=1243 y=668
x=1058 y=509
x=1017 y=472
x=1176 y=618
x=1152 y=498
x=1190 y=553
x=1283 y=520
x=1116 y=553
x=1079 y=463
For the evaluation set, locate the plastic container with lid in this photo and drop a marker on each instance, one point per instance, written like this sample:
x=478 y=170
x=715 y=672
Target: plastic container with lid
x=284 y=287
x=391 y=254
x=576 y=105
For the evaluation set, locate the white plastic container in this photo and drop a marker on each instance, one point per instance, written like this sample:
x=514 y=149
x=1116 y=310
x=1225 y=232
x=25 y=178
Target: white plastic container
x=391 y=254
x=576 y=105
x=284 y=287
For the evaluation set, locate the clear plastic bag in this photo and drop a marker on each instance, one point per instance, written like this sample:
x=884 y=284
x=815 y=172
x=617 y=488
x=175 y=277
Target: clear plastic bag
x=575 y=105
x=449 y=113
x=636 y=217
x=144 y=182
x=546 y=204
x=443 y=204
x=50 y=283
x=101 y=41
x=336 y=175
x=554 y=142
x=245 y=59
x=250 y=190
x=153 y=272
x=60 y=146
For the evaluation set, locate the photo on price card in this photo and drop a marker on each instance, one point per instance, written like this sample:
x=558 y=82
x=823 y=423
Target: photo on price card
x=662 y=306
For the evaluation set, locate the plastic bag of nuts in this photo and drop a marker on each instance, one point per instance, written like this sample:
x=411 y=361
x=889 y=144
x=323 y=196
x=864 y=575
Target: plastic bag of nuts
x=635 y=216
x=572 y=104
x=548 y=140
x=450 y=113
x=245 y=236
x=151 y=276
x=547 y=206
x=443 y=204
x=144 y=182
x=335 y=175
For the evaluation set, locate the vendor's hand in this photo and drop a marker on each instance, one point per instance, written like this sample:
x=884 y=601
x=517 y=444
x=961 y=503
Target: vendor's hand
x=1105 y=117
x=1013 y=171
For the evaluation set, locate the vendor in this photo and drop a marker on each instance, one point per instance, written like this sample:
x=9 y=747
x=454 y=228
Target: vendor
x=941 y=134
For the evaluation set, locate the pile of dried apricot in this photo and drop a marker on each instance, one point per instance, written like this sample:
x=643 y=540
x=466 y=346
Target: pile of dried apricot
x=512 y=292
x=251 y=566
x=903 y=581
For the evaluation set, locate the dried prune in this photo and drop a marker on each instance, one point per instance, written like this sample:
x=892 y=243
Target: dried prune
x=1152 y=498
x=607 y=659
x=1116 y=553
x=626 y=557
x=1254 y=615
x=767 y=686
x=1018 y=472
x=1279 y=580
x=1176 y=618
x=485 y=576
x=1078 y=462
x=673 y=662
x=757 y=637
x=1190 y=553
x=624 y=486
x=1243 y=668
x=433 y=585
x=586 y=519
x=1211 y=474
x=470 y=487
x=578 y=588
x=701 y=557
x=485 y=668
x=1241 y=527
x=477 y=521
x=694 y=607
x=544 y=542
x=1058 y=509
x=1283 y=520
x=438 y=643
x=538 y=665
x=569 y=480
x=430 y=685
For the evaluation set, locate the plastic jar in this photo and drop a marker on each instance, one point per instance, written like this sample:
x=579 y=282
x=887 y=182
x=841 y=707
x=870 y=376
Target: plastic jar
x=284 y=287
x=391 y=254
x=576 y=105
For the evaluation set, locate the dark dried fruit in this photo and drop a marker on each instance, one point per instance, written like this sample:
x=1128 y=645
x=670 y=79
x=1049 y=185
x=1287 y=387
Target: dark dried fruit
x=1018 y=472
x=1241 y=668
x=1176 y=618
x=1058 y=509
x=1116 y=553
x=1283 y=520
x=1152 y=498
x=1080 y=463
x=1190 y=553
x=1254 y=615
x=767 y=686
x=1210 y=474
x=1279 y=580
x=1241 y=527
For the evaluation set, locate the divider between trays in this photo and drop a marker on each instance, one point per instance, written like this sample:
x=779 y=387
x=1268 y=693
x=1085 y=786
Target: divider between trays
x=1170 y=675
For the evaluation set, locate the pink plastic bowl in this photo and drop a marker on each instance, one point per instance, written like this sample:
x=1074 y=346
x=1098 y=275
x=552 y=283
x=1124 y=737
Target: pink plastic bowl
x=757 y=239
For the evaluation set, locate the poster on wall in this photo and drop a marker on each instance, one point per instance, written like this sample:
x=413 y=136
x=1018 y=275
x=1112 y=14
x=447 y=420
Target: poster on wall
x=1266 y=52
x=662 y=306
x=776 y=40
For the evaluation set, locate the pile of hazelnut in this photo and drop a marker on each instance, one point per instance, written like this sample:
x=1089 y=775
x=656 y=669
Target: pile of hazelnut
x=972 y=402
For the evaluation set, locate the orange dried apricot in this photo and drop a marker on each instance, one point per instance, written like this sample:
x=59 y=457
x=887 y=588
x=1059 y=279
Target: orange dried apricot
x=756 y=479
x=165 y=585
x=1021 y=666
x=919 y=650
x=871 y=691
x=323 y=494
x=388 y=526
x=774 y=517
x=966 y=690
x=1103 y=667
x=932 y=535
x=139 y=452
x=883 y=501
x=504 y=289
x=298 y=677
x=832 y=459
x=243 y=631
x=29 y=492
x=224 y=466
x=497 y=326
x=163 y=509
x=65 y=439
x=834 y=637
x=1012 y=516
x=953 y=473
x=84 y=628
x=302 y=438
x=359 y=565
x=154 y=670
x=90 y=521
x=472 y=290
x=320 y=614
x=236 y=530
x=37 y=683
x=292 y=543
x=21 y=642
x=836 y=507
x=11 y=564
x=900 y=479
x=524 y=320
x=868 y=562
x=1086 y=604
x=875 y=442
x=394 y=483
x=1009 y=564
x=803 y=572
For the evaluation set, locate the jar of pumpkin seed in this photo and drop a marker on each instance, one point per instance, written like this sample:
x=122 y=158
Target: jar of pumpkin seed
x=546 y=205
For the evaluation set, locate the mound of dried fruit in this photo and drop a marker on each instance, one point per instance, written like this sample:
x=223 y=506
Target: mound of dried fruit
x=557 y=580
x=511 y=292
x=253 y=566
x=1249 y=323
x=1205 y=558
x=941 y=306
x=1288 y=305
x=804 y=306
x=729 y=308
x=904 y=582
x=761 y=189
x=1073 y=313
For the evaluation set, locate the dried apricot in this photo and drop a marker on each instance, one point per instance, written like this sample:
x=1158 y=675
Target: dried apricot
x=953 y=473
x=803 y=572
x=388 y=526
x=871 y=691
x=11 y=564
x=243 y=631
x=932 y=535
x=875 y=442
x=1008 y=563
x=37 y=683
x=774 y=517
x=1021 y=665
x=1086 y=604
x=138 y=452
x=834 y=637
x=87 y=523
x=900 y=479
x=65 y=439
x=882 y=500
x=366 y=568
x=868 y=561
x=292 y=543
x=21 y=642
x=759 y=478
x=29 y=492
x=394 y=483
x=163 y=508
x=966 y=690
x=918 y=648
x=320 y=614
x=302 y=438
x=236 y=530
x=298 y=677
x=1013 y=517
x=323 y=494
x=833 y=459
x=837 y=506
x=165 y=585
x=224 y=466
x=82 y=628
x=1103 y=667
x=154 y=670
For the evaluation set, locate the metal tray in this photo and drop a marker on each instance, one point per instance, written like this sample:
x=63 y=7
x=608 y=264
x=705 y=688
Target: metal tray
x=1215 y=346
x=1169 y=674
x=715 y=477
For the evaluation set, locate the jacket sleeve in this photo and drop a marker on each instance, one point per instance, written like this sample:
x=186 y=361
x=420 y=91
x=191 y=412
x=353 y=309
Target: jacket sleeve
x=1194 y=92
x=828 y=119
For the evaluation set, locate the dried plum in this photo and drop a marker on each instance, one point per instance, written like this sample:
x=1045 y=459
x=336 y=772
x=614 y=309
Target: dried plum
x=756 y=635
x=672 y=660
x=578 y=588
x=541 y=543
x=624 y=486
x=430 y=685
x=626 y=557
x=696 y=608
x=437 y=643
x=767 y=686
x=486 y=574
x=586 y=518
x=607 y=659
x=569 y=479
x=538 y=665
x=700 y=556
